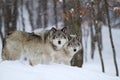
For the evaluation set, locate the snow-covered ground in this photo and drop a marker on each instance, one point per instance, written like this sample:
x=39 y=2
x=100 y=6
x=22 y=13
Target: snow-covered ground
x=107 y=53
x=91 y=70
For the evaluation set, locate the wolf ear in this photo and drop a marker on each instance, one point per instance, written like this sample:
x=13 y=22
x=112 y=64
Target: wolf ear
x=78 y=37
x=69 y=37
x=52 y=30
x=64 y=29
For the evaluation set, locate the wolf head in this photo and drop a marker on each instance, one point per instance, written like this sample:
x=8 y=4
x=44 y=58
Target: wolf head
x=58 y=37
x=74 y=44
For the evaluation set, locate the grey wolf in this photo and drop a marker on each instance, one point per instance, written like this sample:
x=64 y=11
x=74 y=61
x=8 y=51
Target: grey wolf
x=36 y=48
x=68 y=50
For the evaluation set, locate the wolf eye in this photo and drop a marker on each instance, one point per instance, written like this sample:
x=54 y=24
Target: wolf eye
x=53 y=37
x=68 y=44
x=78 y=44
x=64 y=37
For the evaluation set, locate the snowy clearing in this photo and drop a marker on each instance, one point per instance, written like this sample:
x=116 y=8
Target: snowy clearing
x=17 y=71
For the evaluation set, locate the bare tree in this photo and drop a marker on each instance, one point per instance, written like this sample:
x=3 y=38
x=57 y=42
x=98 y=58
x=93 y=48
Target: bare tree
x=29 y=6
x=78 y=57
x=97 y=34
x=92 y=41
x=39 y=21
x=14 y=15
x=111 y=38
x=55 y=12
x=1 y=34
x=23 y=19
x=10 y=13
x=64 y=12
x=7 y=15
x=45 y=13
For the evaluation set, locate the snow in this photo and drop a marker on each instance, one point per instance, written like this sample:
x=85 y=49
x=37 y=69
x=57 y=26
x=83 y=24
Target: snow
x=116 y=8
x=18 y=71
x=60 y=0
x=91 y=70
x=107 y=53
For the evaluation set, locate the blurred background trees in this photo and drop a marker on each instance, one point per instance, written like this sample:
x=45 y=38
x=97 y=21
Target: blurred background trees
x=84 y=17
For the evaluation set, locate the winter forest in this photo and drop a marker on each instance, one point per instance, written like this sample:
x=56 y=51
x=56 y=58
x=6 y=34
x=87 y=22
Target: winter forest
x=93 y=20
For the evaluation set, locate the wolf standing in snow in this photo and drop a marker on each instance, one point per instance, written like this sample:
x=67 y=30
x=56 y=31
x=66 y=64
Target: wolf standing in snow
x=69 y=49
x=38 y=49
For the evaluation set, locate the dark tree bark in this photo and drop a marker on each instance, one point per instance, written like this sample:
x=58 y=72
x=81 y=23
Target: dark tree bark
x=1 y=17
x=97 y=37
x=92 y=41
x=99 y=47
x=111 y=38
x=29 y=6
x=7 y=15
x=64 y=12
x=10 y=13
x=77 y=59
x=14 y=15
x=100 y=34
x=44 y=4
x=39 y=21
x=1 y=34
x=55 y=12
x=22 y=18
x=98 y=19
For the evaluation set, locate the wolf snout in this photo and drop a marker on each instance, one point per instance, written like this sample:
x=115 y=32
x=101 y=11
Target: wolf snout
x=59 y=42
x=74 y=50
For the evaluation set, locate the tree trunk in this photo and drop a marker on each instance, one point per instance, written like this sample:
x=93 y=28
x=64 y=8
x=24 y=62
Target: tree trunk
x=77 y=59
x=6 y=15
x=64 y=12
x=10 y=13
x=22 y=18
x=55 y=13
x=14 y=15
x=1 y=34
x=97 y=37
x=29 y=7
x=92 y=42
x=99 y=47
x=111 y=39
x=1 y=20
x=44 y=3
x=39 y=20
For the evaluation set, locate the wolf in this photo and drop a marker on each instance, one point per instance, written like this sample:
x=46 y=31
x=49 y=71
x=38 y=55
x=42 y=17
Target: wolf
x=68 y=50
x=36 y=48
x=53 y=42
x=57 y=37
x=14 y=44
